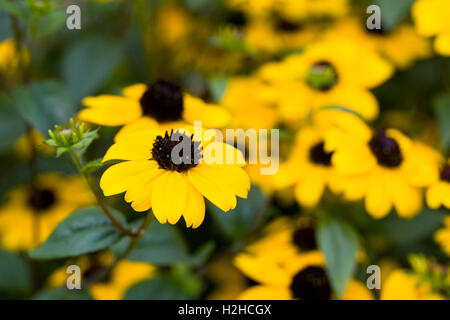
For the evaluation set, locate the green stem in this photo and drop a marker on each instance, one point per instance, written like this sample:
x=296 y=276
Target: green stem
x=76 y=159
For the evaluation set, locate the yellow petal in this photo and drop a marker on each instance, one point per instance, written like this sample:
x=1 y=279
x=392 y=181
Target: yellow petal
x=265 y=293
x=136 y=146
x=169 y=197
x=309 y=191
x=377 y=201
x=212 y=116
x=108 y=110
x=194 y=213
x=135 y=91
x=122 y=176
x=203 y=179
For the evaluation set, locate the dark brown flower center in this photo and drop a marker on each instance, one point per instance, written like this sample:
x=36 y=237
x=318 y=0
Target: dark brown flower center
x=318 y=155
x=445 y=173
x=386 y=150
x=305 y=238
x=163 y=101
x=41 y=199
x=284 y=25
x=311 y=283
x=176 y=152
x=322 y=76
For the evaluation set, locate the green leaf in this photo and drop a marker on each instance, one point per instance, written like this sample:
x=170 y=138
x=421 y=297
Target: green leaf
x=393 y=12
x=62 y=293
x=50 y=23
x=162 y=245
x=218 y=86
x=442 y=110
x=44 y=104
x=84 y=231
x=11 y=123
x=16 y=8
x=97 y=55
x=409 y=231
x=247 y=215
x=93 y=165
x=15 y=279
x=160 y=288
x=339 y=243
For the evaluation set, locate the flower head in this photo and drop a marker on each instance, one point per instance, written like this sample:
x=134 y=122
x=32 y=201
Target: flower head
x=171 y=172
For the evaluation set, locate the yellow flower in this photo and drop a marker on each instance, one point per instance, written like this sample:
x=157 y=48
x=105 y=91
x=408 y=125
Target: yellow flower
x=309 y=167
x=274 y=35
x=401 y=285
x=163 y=104
x=329 y=73
x=172 y=23
x=293 y=9
x=385 y=167
x=402 y=46
x=23 y=148
x=228 y=281
x=432 y=18
x=287 y=265
x=31 y=214
x=442 y=236
x=438 y=194
x=10 y=58
x=124 y=275
x=152 y=178
x=246 y=100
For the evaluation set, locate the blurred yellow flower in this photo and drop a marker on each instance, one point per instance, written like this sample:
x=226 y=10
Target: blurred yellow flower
x=329 y=73
x=163 y=104
x=123 y=275
x=400 y=285
x=438 y=194
x=309 y=167
x=386 y=168
x=152 y=179
x=442 y=236
x=10 y=58
x=31 y=214
x=287 y=265
x=432 y=18
x=401 y=46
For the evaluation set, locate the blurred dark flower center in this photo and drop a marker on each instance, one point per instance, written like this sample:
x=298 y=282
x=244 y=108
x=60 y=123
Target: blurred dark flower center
x=318 y=155
x=322 y=76
x=41 y=199
x=386 y=150
x=177 y=160
x=305 y=238
x=285 y=25
x=445 y=173
x=311 y=283
x=236 y=18
x=163 y=101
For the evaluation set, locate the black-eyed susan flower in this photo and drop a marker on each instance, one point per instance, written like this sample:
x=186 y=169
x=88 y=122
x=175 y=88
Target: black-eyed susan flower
x=309 y=167
x=384 y=167
x=328 y=73
x=404 y=285
x=401 y=46
x=438 y=194
x=173 y=183
x=114 y=285
x=140 y=107
x=31 y=213
x=286 y=265
x=432 y=18
x=442 y=236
